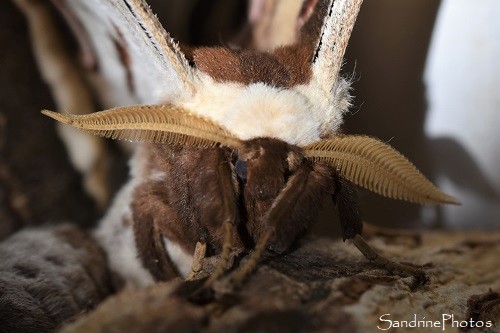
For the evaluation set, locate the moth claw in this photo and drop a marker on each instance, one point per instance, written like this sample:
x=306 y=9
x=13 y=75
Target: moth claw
x=199 y=255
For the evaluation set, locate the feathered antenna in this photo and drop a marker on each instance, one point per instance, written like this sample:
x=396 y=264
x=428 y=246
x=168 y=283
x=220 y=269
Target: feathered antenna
x=337 y=29
x=377 y=167
x=151 y=123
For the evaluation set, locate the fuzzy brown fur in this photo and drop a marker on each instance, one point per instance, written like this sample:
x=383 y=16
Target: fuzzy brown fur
x=286 y=67
x=189 y=203
x=186 y=206
x=220 y=63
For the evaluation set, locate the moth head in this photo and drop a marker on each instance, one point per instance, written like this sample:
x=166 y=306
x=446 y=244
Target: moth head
x=273 y=152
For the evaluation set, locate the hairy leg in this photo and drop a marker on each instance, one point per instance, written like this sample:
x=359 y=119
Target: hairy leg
x=379 y=260
x=350 y=220
x=229 y=221
x=290 y=196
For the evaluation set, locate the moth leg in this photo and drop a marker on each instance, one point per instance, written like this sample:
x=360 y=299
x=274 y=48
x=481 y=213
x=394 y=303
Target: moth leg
x=229 y=221
x=200 y=252
x=254 y=258
x=223 y=263
x=287 y=198
x=379 y=260
x=350 y=221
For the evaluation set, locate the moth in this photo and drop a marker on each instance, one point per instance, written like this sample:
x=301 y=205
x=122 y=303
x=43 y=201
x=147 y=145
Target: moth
x=238 y=148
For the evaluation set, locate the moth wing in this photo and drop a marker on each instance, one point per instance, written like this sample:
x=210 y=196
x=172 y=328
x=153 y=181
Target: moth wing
x=136 y=60
x=276 y=23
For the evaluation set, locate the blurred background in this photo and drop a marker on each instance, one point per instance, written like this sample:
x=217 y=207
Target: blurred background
x=427 y=81
x=429 y=84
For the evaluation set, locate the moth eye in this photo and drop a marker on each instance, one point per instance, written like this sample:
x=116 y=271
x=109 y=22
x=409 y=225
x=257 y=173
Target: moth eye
x=241 y=169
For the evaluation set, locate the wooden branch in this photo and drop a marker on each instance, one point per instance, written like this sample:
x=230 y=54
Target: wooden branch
x=325 y=286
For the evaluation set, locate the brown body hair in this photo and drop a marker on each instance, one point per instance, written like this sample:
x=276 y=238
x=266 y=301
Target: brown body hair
x=186 y=203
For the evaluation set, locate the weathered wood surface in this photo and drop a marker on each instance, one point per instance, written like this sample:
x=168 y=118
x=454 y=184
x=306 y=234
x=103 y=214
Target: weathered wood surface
x=326 y=286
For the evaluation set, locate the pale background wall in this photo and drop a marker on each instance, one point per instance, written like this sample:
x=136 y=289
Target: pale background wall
x=388 y=53
x=447 y=124
x=463 y=88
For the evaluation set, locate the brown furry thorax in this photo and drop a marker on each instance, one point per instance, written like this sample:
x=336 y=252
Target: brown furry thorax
x=285 y=67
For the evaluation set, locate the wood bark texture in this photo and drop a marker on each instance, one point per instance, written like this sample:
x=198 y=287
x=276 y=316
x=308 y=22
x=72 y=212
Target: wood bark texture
x=325 y=286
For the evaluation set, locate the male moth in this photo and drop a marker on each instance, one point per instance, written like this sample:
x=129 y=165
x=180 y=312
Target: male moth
x=238 y=147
